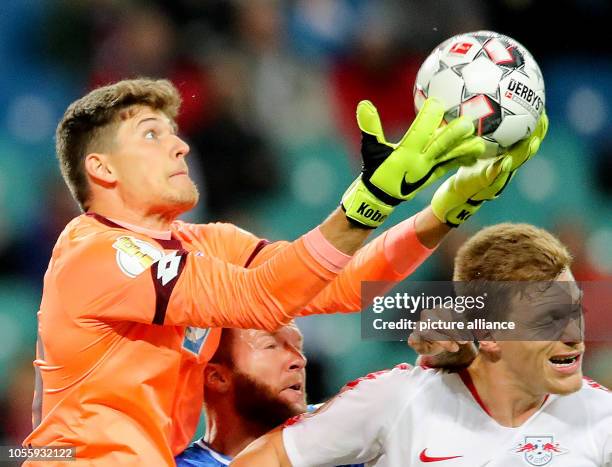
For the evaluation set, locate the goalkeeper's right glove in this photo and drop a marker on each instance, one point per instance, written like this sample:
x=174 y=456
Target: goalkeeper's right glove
x=392 y=173
x=459 y=197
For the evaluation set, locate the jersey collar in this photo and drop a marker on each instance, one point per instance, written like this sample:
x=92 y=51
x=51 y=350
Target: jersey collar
x=469 y=384
x=156 y=234
x=217 y=456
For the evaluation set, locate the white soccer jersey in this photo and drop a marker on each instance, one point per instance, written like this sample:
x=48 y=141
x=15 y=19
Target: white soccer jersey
x=411 y=416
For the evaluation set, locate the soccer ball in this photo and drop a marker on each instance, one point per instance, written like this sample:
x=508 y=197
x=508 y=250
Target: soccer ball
x=489 y=77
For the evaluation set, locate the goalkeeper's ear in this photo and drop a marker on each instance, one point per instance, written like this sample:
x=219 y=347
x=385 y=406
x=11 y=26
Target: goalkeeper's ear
x=99 y=168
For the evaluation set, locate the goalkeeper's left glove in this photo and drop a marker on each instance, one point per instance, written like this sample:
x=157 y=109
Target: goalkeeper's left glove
x=459 y=197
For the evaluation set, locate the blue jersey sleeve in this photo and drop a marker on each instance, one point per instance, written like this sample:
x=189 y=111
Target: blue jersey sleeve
x=196 y=456
x=199 y=454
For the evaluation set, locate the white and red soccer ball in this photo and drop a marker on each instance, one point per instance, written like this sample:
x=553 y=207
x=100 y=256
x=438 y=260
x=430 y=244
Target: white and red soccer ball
x=489 y=77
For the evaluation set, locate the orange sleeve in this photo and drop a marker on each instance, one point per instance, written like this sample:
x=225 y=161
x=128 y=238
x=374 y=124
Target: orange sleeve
x=389 y=258
x=182 y=288
x=344 y=293
x=213 y=293
x=222 y=240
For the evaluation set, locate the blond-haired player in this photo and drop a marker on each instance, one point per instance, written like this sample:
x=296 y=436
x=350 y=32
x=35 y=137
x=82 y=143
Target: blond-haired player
x=519 y=403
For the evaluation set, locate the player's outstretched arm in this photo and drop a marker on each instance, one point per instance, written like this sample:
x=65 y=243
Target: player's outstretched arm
x=273 y=293
x=267 y=451
x=388 y=259
x=196 y=289
x=391 y=173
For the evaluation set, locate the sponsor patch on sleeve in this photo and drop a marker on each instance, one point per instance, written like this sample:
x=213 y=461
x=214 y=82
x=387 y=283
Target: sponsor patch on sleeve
x=134 y=256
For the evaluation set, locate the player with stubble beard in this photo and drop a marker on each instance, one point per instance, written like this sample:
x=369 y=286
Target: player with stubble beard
x=254 y=382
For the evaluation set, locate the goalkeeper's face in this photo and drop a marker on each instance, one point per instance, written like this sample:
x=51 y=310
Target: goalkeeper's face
x=551 y=361
x=269 y=374
x=148 y=161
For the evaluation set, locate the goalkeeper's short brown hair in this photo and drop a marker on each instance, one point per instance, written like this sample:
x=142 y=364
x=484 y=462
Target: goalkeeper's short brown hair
x=511 y=252
x=88 y=124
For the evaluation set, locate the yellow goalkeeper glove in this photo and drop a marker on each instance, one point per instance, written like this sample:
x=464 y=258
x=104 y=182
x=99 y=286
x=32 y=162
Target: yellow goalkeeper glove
x=459 y=197
x=392 y=173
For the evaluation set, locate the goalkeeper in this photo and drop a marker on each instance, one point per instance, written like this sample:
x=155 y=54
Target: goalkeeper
x=133 y=298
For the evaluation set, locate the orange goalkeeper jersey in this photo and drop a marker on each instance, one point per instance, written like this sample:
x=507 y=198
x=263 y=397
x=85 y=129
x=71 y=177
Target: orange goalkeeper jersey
x=129 y=318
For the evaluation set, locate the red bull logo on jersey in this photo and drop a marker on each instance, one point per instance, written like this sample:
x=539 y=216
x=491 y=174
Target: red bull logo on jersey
x=539 y=450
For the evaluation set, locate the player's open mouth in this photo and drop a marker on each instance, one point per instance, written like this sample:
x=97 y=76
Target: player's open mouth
x=296 y=390
x=565 y=363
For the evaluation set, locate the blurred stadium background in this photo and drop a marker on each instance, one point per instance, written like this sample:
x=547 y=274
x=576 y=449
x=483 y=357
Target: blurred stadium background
x=269 y=92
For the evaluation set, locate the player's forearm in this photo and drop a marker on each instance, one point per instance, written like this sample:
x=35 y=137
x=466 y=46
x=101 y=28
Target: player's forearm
x=267 y=451
x=429 y=229
x=388 y=259
x=342 y=234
